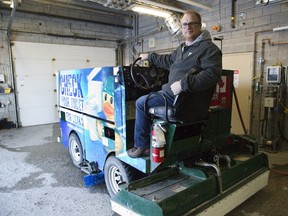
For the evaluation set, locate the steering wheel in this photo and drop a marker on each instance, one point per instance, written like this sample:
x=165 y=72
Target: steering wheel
x=144 y=78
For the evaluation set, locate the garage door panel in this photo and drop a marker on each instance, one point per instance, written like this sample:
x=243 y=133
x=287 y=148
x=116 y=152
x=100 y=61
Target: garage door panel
x=35 y=83
x=87 y=54
x=56 y=52
x=39 y=99
x=32 y=115
x=105 y=62
x=65 y=64
x=20 y=49
x=28 y=67
x=35 y=65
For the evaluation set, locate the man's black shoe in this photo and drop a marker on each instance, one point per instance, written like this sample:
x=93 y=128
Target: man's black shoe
x=137 y=152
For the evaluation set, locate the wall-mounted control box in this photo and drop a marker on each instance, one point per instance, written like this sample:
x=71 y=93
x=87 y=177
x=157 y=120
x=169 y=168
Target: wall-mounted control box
x=2 y=78
x=273 y=74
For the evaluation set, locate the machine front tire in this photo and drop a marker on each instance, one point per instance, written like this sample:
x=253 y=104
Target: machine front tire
x=117 y=173
x=75 y=149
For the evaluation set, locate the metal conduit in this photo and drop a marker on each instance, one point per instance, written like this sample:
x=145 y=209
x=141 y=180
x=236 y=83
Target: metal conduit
x=74 y=19
x=10 y=57
x=11 y=19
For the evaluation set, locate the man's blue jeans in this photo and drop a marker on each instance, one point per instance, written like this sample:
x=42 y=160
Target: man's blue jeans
x=142 y=122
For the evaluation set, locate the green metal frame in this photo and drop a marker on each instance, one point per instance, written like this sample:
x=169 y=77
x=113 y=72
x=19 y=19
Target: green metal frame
x=179 y=185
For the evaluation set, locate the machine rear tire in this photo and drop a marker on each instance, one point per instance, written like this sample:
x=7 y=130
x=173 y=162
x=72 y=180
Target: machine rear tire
x=75 y=149
x=117 y=173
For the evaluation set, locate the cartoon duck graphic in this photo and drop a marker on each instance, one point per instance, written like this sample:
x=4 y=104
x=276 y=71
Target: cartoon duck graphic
x=108 y=98
x=108 y=109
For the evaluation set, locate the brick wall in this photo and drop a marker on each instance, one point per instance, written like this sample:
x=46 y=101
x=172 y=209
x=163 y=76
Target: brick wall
x=252 y=25
x=55 y=24
x=83 y=27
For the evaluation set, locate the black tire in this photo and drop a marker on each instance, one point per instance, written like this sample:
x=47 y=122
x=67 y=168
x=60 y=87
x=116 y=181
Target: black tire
x=117 y=173
x=75 y=149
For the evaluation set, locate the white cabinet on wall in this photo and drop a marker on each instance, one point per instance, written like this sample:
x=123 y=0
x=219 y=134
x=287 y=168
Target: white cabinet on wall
x=35 y=65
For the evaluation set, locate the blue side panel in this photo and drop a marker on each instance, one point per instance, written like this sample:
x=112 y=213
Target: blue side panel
x=85 y=90
x=120 y=115
x=71 y=121
x=65 y=131
x=96 y=144
x=91 y=104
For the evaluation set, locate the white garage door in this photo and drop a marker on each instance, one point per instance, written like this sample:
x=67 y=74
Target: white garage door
x=35 y=65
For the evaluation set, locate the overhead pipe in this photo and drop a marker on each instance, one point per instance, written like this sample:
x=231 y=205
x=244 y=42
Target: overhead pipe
x=196 y=4
x=161 y=5
x=84 y=6
x=74 y=36
x=75 y=19
x=279 y=43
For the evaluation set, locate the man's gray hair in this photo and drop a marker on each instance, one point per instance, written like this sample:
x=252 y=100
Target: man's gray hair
x=193 y=13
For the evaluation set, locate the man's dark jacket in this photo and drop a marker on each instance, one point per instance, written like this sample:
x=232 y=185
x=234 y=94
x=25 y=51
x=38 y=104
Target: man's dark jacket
x=203 y=54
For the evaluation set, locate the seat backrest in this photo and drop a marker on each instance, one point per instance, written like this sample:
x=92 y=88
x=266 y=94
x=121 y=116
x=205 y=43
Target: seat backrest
x=187 y=107
x=194 y=106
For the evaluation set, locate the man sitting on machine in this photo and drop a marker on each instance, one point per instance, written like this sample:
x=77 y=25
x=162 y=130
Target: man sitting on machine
x=197 y=54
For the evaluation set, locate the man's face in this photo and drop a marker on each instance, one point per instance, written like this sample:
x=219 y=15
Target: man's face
x=191 y=27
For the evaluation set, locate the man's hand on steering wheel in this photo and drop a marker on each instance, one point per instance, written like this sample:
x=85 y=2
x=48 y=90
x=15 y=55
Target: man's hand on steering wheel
x=144 y=56
x=146 y=78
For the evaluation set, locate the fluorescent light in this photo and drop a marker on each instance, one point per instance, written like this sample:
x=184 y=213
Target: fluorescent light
x=196 y=4
x=151 y=11
x=9 y=2
x=161 y=5
x=6 y=2
x=280 y=28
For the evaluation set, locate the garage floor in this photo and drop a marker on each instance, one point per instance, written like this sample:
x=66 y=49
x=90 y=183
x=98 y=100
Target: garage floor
x=38 y=178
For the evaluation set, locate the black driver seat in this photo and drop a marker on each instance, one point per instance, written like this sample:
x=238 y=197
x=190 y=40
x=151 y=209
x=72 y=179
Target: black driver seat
x=187 y=107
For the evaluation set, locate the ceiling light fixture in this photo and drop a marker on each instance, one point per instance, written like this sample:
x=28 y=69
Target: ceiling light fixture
x=6 y=2
x=11 y=3
x=196 y=4
x=280 y=28
x=161 y=5
x=151 y=11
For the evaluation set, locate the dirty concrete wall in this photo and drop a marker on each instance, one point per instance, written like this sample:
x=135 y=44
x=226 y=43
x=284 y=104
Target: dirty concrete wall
x=54 y=24
x=253 y=24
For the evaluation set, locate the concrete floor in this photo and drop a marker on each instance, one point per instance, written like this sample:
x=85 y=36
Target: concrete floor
x=38 y=178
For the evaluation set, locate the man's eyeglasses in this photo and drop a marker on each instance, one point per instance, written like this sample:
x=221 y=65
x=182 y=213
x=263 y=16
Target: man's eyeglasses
x=190 y=24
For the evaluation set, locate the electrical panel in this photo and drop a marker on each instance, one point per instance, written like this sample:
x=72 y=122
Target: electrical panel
x=273 y=74
x=269 y=102
x=2 y=78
